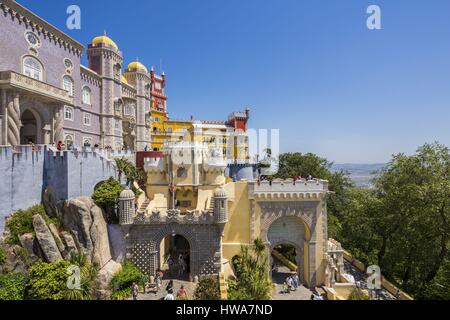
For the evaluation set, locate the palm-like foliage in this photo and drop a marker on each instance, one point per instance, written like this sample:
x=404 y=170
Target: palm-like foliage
x=253 y=281
x=88 y=273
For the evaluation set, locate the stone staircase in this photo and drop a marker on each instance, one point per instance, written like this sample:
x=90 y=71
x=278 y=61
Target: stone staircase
x=144 y=205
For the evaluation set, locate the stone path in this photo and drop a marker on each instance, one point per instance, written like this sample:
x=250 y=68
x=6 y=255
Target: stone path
x=278 y=278
x=188 y=286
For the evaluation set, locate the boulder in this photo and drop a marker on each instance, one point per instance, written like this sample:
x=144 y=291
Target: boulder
x=86 y=222
x=50 y=203
x=31 y=245
x=70 y=243
x=46 y=240
x=104 y=276
x=57 y=238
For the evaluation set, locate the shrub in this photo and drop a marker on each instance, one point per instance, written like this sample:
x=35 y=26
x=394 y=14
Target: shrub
x=21 y=222
x=358 y=294
x=121 y=282
x=48 y=280
x=2 y=256
x=12 y=286
x=106 y=196
x=207 y=289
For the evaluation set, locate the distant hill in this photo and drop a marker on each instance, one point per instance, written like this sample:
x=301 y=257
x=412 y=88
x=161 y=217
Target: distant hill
x=361 y=174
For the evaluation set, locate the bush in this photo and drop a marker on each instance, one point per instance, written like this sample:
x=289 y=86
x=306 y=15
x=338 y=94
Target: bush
x=2 y=256
x=358 y=294
x=121 y=282
x=48 y=280
x=12 y=286
x=106 y=196
x=21 y=222
x=207 y=289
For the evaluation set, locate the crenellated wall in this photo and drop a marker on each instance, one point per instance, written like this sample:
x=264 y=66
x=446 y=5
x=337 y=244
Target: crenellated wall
x=26 y=171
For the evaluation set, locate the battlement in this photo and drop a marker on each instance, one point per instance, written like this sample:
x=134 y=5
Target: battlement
x=314 y=188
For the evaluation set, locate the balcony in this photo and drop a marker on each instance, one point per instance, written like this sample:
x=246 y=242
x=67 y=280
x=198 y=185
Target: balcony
x=13 y=80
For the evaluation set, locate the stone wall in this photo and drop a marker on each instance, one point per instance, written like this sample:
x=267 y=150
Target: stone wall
x=26 y=173
x=143 y=246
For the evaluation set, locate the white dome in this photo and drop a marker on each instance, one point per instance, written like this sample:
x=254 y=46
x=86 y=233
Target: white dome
x=126 y=194
x=220 y=193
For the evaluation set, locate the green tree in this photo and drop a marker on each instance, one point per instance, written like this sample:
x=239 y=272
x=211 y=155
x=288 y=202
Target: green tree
x=207 y=289
x=253 y=282
x=88 y=273
x=106 y=196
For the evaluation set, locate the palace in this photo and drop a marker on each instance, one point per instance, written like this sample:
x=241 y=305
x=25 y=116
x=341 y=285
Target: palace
x=203 y=199
x=47 y=95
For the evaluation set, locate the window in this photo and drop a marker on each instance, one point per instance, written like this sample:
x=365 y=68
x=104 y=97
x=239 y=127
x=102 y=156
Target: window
x=32 y=39
x=68 y=64
x=87 y=95
x=129 y=109
x=118 y=106
x=158 y=85
x=147 y=90
x=87 y=119
x=68 y=113
x=68 y=140
x=32 y=68
x=156 y=119
x=117 y=71
x=68 y=85
x=116 y=124
x=181 y=173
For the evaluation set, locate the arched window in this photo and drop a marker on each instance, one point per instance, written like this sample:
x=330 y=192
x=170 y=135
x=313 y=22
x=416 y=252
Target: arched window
x=86 y=95
x=68 y=85
x=32 y=68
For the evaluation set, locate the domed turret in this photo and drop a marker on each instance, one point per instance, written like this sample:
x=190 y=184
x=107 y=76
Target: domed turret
x=126 y=206
x=105 y=40
x=221 y=208
x=137 y=66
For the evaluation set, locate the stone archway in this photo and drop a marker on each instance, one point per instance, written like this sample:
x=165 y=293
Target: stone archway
x=306 y=214
x=204 y=244
x=29 y=128
x=289 y=230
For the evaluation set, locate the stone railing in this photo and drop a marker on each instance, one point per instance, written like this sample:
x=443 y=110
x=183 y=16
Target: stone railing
x=11 y=79
x=175 y=215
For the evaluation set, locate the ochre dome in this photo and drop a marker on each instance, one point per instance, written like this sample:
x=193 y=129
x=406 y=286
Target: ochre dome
x=104 y=40
x=136 y=65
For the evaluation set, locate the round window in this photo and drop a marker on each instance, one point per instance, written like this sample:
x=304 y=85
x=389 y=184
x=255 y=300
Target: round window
x=68 y=63
x=32 y=39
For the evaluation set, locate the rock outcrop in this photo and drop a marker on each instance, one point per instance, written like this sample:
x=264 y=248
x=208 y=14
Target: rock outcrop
x=70 y=244
x=102 y=289
x=86 y=222
x=46 y=241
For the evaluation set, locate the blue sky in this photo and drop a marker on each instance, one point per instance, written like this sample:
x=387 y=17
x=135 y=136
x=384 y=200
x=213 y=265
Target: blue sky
x=308 y=67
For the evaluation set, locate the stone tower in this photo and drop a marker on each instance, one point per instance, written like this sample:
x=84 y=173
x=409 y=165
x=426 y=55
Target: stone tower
x=126 y=206
x=220 y=208
x=105 y=58
x=138 y=76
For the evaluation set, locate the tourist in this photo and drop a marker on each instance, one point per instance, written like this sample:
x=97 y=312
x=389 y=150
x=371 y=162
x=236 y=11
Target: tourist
x=181 y=292
x=169 y=286
x=158 y=280
x=180 y=264
x=134 y=290
x=290 y=283
x=59 y=146
x=146 y=148
x=170 y=263
x=285 y=288
x=169 y=295
x=296 y=281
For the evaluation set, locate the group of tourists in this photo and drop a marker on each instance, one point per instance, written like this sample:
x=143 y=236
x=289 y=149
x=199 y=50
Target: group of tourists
x=291 y=284
x=170 y=289
x=182 y=263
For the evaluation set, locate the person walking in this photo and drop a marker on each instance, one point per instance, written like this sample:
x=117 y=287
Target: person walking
x=169 y=295
x=134 y=290
x=169 y=286
x=296 y=281
x=182 y=292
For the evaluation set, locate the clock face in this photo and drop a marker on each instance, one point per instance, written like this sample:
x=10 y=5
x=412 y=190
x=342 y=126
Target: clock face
x=32 y=39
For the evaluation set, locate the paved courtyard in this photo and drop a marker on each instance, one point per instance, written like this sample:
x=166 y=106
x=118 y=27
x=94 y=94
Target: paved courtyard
x=278 y=278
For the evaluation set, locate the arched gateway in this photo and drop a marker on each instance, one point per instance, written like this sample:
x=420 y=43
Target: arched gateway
x=144 y=246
